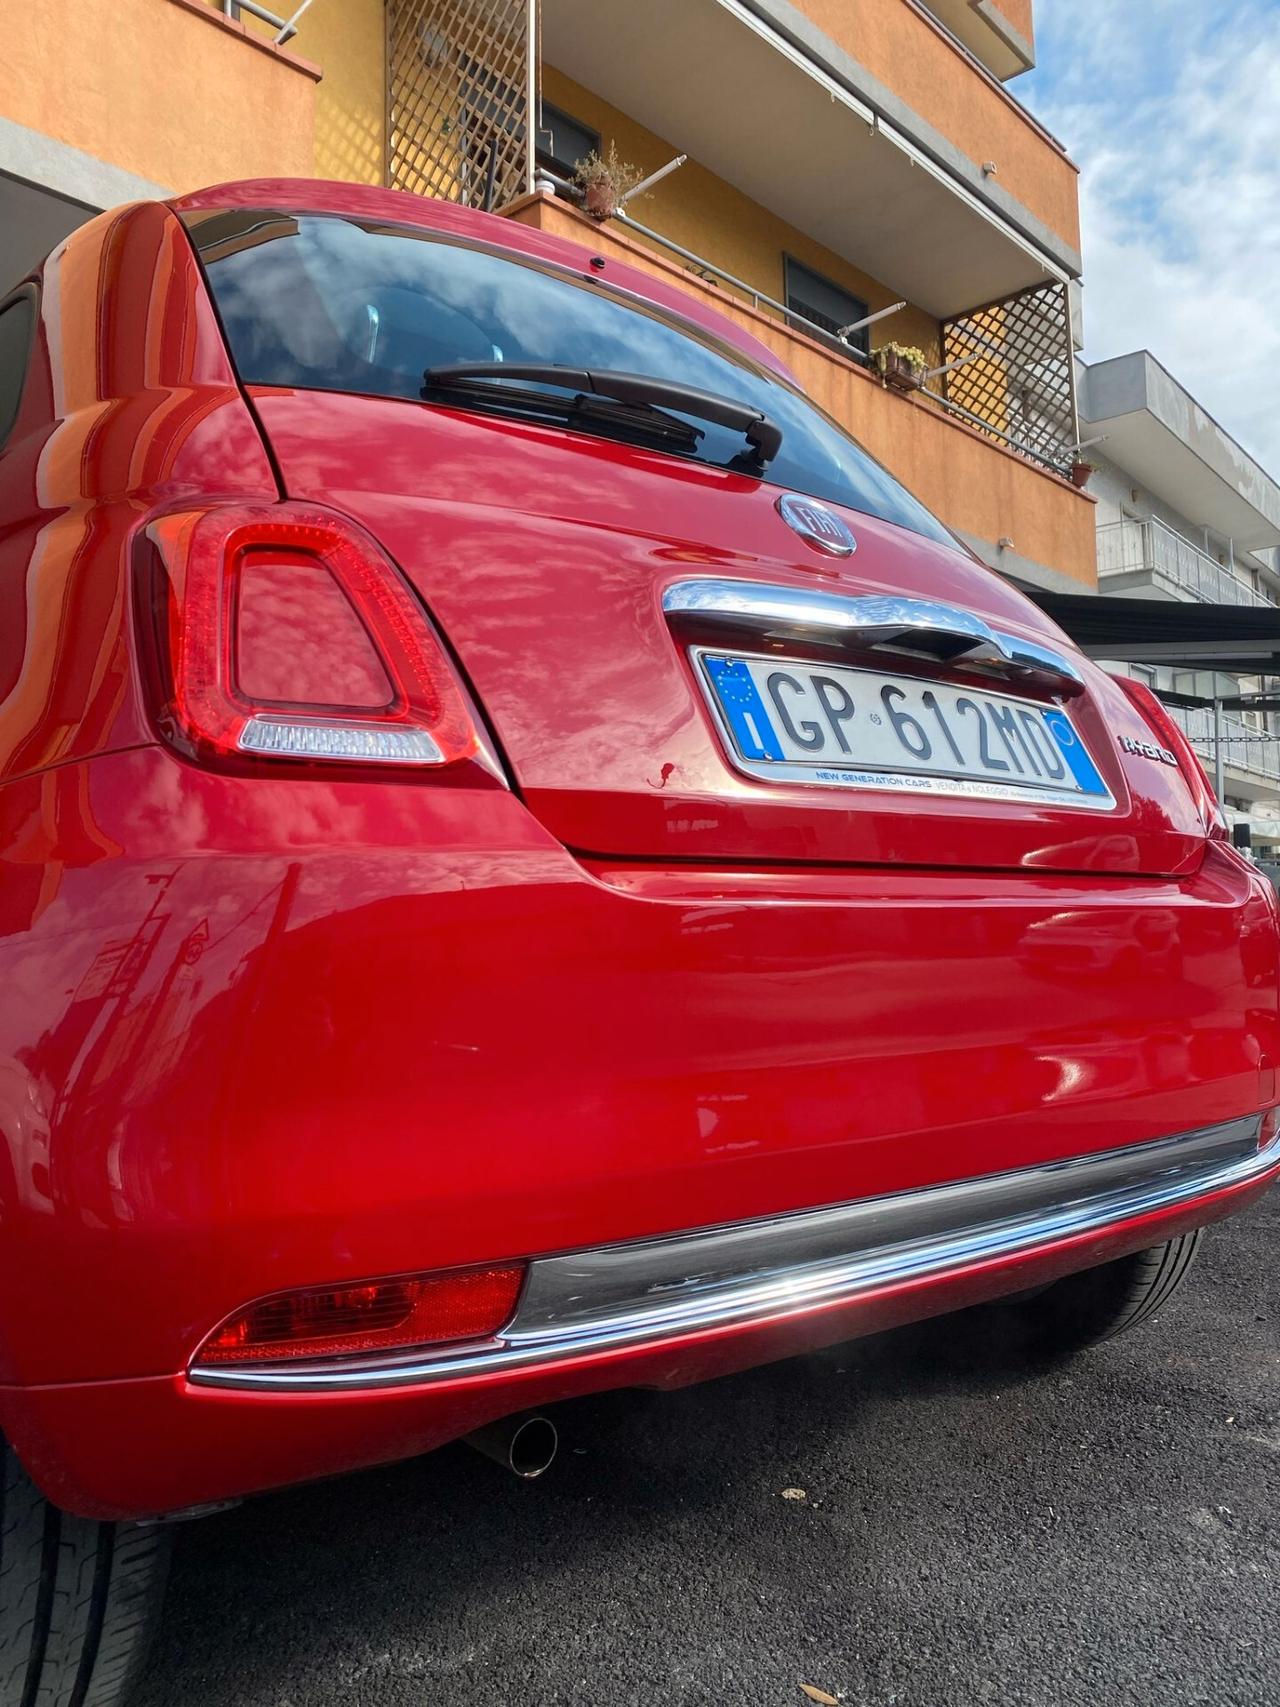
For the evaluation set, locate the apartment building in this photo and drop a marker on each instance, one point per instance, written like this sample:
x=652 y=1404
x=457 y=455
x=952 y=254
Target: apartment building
x=1185 y=514
x=855 y=172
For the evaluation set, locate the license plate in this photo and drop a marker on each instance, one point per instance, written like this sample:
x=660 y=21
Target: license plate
x=792 y=720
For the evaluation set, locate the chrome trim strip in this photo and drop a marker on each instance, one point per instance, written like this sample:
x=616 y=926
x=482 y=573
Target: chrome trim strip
x=759 y=1271
x=918 y=627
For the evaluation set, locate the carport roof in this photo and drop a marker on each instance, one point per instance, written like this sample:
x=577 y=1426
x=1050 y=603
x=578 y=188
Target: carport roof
x=1238 y=639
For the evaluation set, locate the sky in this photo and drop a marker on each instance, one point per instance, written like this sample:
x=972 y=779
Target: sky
x=1171 y=109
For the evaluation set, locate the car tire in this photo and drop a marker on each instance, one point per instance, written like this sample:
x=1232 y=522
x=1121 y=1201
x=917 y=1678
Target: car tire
x=1087 y=1308
x=78 y=1599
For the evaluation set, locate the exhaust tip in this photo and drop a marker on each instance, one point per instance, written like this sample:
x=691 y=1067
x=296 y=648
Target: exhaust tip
x=525 y=1445
x=533 y=1447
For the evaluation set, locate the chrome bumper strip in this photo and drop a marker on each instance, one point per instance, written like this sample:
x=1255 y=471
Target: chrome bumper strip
x=758 y=1271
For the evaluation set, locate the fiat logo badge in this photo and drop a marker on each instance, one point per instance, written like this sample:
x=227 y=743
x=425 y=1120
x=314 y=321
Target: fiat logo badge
x=817 y=525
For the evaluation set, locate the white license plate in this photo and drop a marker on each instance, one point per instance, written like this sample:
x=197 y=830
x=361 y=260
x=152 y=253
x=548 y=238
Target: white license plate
x=793 y=720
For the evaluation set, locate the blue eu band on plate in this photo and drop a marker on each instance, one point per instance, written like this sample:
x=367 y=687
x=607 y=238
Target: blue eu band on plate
x=795 y=720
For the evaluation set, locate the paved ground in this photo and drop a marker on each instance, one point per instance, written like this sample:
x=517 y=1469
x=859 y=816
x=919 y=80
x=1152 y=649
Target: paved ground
x=1106 y=1535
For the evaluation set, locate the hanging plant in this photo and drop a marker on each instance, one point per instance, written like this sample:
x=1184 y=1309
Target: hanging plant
x=604 y=180
x=902 y=366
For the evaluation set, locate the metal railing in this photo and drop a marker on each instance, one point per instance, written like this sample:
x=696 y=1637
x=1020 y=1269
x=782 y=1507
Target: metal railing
x=1244 y=748
x=760 y=300
x=763 y=303
x=286 y=28
x=1153 y=547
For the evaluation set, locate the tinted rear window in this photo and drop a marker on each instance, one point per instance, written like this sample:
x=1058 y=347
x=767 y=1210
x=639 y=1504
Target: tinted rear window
x=332 y=304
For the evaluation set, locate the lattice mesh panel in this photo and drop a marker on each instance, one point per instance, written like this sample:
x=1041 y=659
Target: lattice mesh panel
x=457 y=98
x=1019 y=384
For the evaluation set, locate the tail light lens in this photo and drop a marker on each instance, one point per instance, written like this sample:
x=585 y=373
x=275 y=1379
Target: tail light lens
x=377 y=1315
x=1158 y=720
x=283 y=632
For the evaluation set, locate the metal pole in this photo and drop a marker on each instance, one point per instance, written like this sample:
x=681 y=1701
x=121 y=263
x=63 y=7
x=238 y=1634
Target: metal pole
x=1073 y=401
x=530 y=94
x=868 y=320
x=1218 y=786
x=653 y=178
x=290 y=29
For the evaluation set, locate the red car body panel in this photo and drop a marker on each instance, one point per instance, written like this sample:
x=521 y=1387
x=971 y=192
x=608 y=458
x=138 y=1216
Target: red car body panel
x=263 y=1030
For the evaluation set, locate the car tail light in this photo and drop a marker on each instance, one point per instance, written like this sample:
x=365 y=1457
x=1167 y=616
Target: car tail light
x=1158 y=720
x=376 y=1315
x=283 y=632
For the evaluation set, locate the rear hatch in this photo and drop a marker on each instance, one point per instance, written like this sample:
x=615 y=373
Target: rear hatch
x=673 y=661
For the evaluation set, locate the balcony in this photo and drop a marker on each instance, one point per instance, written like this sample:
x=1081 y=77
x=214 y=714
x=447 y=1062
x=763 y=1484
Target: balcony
x=1253 y=752
x=944 y=205
x=1139 y=556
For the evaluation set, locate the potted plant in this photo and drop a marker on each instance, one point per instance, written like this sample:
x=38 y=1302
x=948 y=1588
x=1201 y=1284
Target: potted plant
x=604 y=180
x=902 y=366
x=1080 y=472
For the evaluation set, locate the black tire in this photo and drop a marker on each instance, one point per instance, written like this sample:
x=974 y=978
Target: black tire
x=78 y=1599
x=1085 y=1309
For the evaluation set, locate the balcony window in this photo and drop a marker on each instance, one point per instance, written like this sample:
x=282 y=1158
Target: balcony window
x=824 y=303
x=564 y=140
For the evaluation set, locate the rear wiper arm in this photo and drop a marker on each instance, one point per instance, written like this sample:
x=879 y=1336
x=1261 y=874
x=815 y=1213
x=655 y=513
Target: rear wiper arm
x=762 y=433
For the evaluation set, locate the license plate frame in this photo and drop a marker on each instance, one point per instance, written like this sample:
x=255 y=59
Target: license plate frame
x=902 y=778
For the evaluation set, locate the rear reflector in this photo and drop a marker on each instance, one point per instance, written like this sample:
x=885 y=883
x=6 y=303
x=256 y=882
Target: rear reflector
x=377 y=1315
x=283 y=632
x=1158 y=720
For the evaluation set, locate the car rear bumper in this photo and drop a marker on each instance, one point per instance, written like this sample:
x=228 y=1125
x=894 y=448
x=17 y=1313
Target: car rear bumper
x=652 y=1313
x=646 y=1290
x=261 y=1034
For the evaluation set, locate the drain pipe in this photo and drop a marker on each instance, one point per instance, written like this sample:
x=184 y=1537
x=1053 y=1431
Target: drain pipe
x=526 y=1445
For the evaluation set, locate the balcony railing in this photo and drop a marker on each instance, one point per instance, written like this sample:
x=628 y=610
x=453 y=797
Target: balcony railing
x=1152 y=547
x=1244 y=748
x=1046 y=427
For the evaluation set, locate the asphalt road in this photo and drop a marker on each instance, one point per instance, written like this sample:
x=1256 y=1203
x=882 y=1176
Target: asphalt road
x=1104 y=1534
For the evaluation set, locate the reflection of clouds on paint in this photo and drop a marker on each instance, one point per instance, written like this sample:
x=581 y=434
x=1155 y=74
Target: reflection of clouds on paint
x=337 y=307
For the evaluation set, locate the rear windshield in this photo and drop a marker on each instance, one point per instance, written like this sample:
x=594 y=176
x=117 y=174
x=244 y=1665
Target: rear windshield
x=333 y=304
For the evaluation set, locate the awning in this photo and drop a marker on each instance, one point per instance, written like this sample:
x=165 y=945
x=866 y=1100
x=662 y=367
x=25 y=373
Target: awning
x=1241 y=640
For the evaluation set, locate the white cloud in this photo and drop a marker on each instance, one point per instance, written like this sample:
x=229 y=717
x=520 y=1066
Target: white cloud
x=1172 y=110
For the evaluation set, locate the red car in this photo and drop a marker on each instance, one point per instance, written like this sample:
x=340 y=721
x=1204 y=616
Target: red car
x=530 y=865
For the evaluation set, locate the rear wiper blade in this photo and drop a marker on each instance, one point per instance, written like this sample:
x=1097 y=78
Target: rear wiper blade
x=585 y=411
x=761 y=432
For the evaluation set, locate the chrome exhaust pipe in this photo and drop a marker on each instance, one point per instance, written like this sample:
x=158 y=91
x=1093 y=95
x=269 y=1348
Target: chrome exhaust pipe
x=526 y=1445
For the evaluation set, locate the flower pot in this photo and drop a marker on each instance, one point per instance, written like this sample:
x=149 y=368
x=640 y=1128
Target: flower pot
x=1080 y=472
x=897 y=372
x=599 y=199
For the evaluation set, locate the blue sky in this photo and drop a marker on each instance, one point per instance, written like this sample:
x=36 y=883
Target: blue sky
x=1171 y=109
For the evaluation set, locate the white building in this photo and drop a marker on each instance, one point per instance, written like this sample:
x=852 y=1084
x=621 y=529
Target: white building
x=1184 y=513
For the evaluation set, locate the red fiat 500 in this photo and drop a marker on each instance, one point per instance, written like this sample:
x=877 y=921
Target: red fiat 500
x=531 y=864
